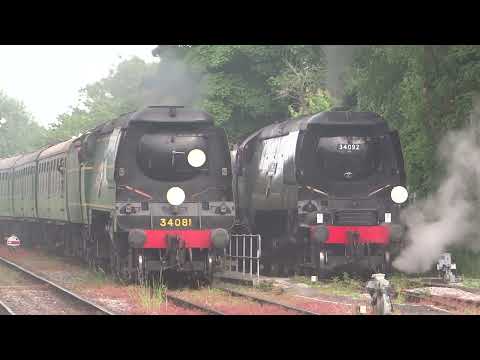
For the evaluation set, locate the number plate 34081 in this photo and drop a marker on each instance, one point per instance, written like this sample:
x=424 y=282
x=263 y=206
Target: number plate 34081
x=175 y=222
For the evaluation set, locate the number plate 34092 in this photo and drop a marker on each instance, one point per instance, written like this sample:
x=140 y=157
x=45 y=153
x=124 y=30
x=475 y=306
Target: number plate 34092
x=175 y=222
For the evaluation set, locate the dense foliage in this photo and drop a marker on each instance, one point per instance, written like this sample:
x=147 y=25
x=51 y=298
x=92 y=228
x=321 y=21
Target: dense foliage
x=248 y=86
x=18 y=132
x=424 y=91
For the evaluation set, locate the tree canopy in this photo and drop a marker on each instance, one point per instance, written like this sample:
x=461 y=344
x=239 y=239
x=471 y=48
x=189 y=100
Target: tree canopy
x=18 y=132
x=423 y=91
x=249 y=86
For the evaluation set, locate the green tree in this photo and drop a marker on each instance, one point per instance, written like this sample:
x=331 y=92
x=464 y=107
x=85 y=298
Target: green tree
x=423 y=91
x=18 y=132
x=132 y=85
x=250 y=86
x=123 y=90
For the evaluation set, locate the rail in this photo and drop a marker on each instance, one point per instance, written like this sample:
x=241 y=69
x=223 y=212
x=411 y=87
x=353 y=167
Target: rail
x=5 y=310
x=58 y=288
x=191 y=305
x=265 y=301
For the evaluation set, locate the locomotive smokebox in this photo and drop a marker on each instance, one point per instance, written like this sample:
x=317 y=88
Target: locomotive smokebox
x=137 y=238
x=319 y=234
x=220 y=238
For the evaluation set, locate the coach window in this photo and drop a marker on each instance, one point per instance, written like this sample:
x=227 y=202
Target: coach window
x=44 y=171
x=30 y=182
x=40 y=177
x=62 y=177
x=54 y=176
x=57 y=174
x=43 y=178
x=52 y=179
x=47 y=178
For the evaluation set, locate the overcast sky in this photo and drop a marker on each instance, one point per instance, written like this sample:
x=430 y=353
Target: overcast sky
x=47 y=78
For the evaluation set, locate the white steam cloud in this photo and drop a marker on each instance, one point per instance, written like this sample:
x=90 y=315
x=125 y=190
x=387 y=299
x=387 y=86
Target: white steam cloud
x=450 y=216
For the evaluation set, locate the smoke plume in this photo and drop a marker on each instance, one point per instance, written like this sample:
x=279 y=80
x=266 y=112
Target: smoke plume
x=174 y=84
x=450 y=216
x=338 y=57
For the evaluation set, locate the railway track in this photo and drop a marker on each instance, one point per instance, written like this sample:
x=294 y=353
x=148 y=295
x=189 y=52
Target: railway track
x=459 y=287
x=5 y=309
x=191 y=305
x=41 y=293
x=265 y=301
x=448 y=302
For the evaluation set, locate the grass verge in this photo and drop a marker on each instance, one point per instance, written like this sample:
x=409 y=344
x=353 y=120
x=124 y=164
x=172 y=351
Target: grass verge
x=343 y=285
x=150 y=297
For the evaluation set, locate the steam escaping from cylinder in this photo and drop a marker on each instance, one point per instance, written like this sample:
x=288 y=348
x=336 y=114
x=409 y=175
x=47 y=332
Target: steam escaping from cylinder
x=450 y=216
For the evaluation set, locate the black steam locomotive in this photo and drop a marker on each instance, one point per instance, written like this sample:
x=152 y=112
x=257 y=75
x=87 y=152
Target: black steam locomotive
x=324 y=191
x=150 y=191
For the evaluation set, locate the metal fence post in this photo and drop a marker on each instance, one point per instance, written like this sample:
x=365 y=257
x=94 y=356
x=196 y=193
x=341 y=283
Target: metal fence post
x=243 y=256
x=236 y=254
x=251 y=254
x=230 y=256
x=259 y=253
